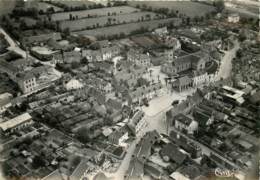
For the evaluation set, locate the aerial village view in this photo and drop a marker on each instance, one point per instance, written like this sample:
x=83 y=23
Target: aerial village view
x=129 y=90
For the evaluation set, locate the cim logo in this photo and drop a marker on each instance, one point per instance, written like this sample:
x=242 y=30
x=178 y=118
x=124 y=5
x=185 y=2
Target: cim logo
x=225 y=172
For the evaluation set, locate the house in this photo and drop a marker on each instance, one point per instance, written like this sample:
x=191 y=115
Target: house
x=190 y=171
x=203 y=116
x=9 y=69
x=26 y=82
x=109 y=52
x=138 y=58
x=255 y=98
x=22 y=63
x=131 y=73
x=43 y=37
x=148 y=92
x=161 y=31
x=105 y=66
x=114 y=105
x=182 y=83
x=233 y=18
x=5 y=101
x=73 y=84
x=71 y=56
x=178 y=176
x=232 y=95
x=92 y=55
x=153 y=170
x=104 y=53
x=170 y=152
x=171 y=42
x=119 y=137
x=137 y=122
x=81 y=171
x=194 y=150
x=16 y=123
x=184 y=123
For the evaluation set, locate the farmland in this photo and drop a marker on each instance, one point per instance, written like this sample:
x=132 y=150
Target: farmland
x=75 y=3
x=43 y=6
x=6 y=7
x=82 y=24
x=127 y=28
x=188 y=8
x=93 y=13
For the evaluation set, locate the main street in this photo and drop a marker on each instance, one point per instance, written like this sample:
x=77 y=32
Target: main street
x=226 y=63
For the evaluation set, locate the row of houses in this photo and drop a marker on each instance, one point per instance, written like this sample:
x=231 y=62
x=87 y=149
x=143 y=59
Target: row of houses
x=26 y=80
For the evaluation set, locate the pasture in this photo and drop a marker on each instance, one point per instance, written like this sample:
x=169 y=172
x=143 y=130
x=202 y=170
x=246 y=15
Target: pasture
x=127 y=28
x=74 y=3
x=89 y=23
x=185 y=7
x=93 y=13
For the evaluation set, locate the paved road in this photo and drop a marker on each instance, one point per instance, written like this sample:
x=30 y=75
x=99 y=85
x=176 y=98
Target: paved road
x=241 y=7
x=13 y=45
x=226 y=63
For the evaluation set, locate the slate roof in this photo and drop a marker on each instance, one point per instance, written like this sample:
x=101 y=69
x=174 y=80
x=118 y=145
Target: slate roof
x=173 y=153
x=183 y=119
x=190 y=171
x=117 y=105
x=5 y=98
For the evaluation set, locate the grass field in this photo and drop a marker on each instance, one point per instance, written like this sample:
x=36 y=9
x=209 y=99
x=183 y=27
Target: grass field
x=127 y=28
x=6 y=7
x=82 y=24
x=93 y=13
x=74 y=3
x=189 y=8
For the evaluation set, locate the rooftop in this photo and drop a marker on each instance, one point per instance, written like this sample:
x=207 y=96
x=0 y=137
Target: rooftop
x=42 y=50
x=15 y=121
x=182 y=118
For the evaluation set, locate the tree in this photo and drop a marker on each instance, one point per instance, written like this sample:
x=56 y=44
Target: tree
x=75 y=161
x=82 y=135
x=38 y=162
x=66 y=32
x=220 y=5
x=188 y=20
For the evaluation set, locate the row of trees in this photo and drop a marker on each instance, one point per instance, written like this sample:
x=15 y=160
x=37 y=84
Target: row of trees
x=81 y=7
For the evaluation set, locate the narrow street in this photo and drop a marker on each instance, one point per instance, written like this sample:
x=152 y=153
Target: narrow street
x=226 y=63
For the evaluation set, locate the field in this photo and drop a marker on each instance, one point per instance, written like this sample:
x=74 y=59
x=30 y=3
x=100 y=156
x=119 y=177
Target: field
x=6 y=7
x=188 y=8
x=82 y=24
x=74 y=3
x=42 y=6
x=127 y=28
x=93 y=13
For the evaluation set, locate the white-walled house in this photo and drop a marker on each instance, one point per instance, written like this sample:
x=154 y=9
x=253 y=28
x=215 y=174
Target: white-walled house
x=16 y=123
x=233 y=18
x=183 y=122
x=73 y=84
